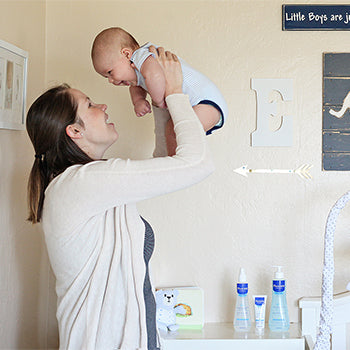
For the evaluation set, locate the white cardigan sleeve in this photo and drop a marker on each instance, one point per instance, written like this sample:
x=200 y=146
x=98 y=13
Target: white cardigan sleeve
x=88 y=190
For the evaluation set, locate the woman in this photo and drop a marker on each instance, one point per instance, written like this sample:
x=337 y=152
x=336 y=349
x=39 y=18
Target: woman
x=98 y=244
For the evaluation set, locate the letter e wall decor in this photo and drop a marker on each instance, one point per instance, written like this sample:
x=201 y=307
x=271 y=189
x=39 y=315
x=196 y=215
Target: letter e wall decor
x=267 y=109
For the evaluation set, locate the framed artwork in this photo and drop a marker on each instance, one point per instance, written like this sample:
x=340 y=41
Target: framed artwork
x=13 y=84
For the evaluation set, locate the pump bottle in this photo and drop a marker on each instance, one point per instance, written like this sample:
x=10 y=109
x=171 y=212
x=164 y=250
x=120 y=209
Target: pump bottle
x=279 y=318
x=242 y=321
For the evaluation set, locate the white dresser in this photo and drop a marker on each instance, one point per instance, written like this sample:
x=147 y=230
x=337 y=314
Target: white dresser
x=222 y=336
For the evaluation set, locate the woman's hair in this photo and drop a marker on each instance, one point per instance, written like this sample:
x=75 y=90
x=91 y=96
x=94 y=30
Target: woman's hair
x=55 y=151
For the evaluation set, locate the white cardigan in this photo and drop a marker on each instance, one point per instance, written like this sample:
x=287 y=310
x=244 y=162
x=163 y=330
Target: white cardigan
x=95 y=237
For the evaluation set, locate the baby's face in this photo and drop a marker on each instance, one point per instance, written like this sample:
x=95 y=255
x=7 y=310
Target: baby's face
x=116 y=67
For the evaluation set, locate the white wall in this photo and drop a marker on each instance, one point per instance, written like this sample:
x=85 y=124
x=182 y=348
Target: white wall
x=24 y=267
x=205 y=233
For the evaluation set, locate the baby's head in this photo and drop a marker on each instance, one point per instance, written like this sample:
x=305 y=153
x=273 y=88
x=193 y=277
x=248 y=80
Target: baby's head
x=111 y=52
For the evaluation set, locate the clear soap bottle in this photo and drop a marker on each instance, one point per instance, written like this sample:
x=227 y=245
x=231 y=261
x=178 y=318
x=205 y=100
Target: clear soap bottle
x=242 y=321
x=279 y=317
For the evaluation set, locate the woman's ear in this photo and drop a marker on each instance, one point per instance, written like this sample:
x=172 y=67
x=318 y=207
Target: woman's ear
x=74 y=131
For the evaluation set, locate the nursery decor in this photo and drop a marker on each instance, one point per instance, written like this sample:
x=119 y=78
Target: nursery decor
x=316 y=17
x=336 y=115
x=180 y=307
x=192 y=299
x=267 y=110
x=167 y=309
x=302 y=171
x=13 y=82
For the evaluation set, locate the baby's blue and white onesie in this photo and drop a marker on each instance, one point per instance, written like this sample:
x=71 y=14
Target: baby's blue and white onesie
x=199 y=88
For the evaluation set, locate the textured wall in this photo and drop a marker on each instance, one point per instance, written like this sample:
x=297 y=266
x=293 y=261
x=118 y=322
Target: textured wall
x=23 y=263
x=205 y=233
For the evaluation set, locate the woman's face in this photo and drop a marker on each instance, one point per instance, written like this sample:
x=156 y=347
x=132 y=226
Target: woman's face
x=97 y=134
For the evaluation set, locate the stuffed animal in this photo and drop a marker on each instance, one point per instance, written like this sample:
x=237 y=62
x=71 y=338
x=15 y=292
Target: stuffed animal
x=166 y=309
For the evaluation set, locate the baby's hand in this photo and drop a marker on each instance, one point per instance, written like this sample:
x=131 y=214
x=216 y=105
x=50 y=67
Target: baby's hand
x=142 y=107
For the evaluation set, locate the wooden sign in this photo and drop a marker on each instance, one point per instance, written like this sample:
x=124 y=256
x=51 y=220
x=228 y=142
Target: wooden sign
x=336 y=115
x=316 y=17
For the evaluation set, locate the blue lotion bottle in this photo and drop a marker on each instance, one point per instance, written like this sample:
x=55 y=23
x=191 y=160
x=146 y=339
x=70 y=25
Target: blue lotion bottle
x=242 y=321
x=279 y=317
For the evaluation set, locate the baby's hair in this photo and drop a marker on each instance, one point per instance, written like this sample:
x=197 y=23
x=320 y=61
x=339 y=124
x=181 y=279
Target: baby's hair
x=114 y=37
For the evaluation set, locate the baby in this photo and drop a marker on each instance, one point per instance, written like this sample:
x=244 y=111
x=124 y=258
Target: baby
x=117 y=56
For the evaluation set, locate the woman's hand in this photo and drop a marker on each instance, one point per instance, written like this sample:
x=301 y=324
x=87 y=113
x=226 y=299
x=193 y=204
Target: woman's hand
x=172 y=70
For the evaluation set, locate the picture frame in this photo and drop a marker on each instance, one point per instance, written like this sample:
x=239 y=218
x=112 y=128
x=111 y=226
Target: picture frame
x=13 y=86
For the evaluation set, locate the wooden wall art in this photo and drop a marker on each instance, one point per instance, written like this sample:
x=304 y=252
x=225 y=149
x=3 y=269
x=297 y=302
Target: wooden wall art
x=336 y=115
x=316 y=17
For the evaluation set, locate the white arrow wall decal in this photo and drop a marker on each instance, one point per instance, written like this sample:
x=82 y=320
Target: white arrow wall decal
x=302 y=171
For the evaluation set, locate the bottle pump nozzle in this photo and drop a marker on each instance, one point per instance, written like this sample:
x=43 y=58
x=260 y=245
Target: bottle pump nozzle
x=242 y=276
x=279 y=273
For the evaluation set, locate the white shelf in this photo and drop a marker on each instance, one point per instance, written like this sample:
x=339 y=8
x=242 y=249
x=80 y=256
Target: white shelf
x=222 y=336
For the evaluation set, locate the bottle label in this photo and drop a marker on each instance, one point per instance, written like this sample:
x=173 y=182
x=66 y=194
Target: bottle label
x=279 y=286
x=259 y=301
x=242 y=288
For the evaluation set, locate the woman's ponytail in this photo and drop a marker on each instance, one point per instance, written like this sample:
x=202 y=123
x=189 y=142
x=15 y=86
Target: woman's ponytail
x=37 y=183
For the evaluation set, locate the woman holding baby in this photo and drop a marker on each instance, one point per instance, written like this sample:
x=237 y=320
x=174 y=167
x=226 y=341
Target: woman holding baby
x=98 y=244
